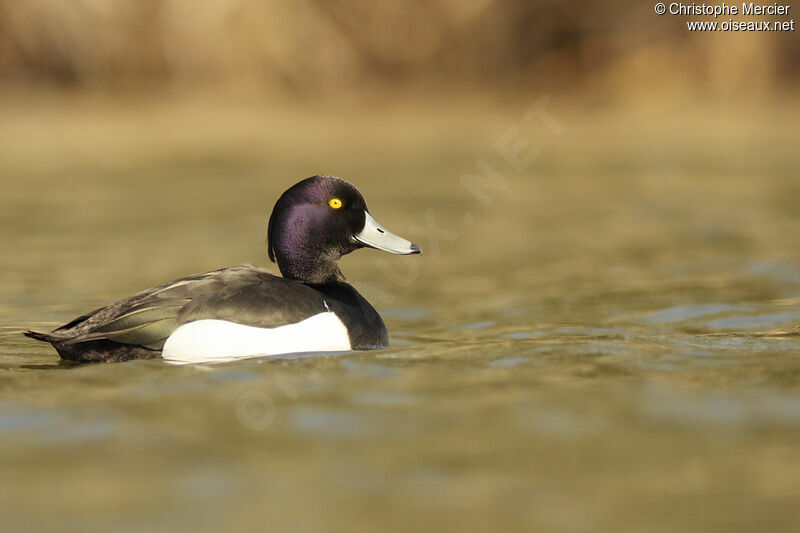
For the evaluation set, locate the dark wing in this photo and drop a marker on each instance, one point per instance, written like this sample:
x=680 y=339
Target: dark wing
x=256 y=299
x=244 y=294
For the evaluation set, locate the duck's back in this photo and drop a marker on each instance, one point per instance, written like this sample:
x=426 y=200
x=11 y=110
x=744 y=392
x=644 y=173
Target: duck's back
x=137 y=327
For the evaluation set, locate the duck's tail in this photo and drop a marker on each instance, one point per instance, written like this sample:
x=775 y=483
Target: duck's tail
x=40 y=336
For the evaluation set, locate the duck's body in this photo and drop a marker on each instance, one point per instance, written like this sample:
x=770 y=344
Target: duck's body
x=246 y=311
x=169 y=320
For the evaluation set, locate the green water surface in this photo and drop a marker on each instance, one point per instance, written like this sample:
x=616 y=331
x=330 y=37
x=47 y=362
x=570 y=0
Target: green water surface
x=605 y=341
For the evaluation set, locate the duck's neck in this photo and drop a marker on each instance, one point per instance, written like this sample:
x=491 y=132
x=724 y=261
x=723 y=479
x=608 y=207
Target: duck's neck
x=312 y=270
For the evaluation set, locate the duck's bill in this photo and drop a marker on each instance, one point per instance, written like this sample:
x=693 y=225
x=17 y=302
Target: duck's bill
x=374 y=236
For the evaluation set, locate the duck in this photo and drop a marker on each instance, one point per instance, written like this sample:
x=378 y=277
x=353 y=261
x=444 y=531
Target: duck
x=246 y=311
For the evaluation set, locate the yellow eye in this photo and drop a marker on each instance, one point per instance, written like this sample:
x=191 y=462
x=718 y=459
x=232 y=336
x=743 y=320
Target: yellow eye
x=335 y=203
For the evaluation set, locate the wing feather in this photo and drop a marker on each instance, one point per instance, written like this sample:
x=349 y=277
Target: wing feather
x=244 y=294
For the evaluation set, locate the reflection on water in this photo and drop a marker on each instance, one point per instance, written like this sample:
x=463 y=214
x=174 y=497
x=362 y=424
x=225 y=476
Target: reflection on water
x=606 y=350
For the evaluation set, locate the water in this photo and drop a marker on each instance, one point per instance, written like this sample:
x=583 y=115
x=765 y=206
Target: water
x=611 y=343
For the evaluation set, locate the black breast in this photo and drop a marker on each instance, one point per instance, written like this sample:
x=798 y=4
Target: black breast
x=364 y=325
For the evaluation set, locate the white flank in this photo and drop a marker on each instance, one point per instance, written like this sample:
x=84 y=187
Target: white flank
x=213 y=341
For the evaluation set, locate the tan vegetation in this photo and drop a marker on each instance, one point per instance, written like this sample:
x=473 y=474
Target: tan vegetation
x=314 y=46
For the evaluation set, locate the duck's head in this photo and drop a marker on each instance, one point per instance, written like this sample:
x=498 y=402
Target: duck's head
x=316 y=222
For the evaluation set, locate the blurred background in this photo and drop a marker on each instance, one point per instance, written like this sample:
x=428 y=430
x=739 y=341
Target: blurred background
x=602 y=332
x=323 y=47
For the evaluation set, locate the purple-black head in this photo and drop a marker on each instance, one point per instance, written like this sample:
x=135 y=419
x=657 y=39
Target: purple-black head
x=316 y=222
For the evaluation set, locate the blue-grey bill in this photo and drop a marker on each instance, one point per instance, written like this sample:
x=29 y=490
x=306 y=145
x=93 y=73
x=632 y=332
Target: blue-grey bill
x=374 y=236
